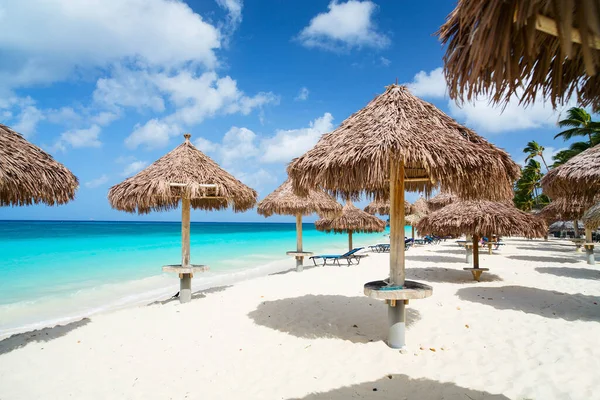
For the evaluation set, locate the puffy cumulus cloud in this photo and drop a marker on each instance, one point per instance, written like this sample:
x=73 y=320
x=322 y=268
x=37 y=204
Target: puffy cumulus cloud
x=234 y=16
x=128 y=88
x=134 y=167
x=27 y=120
x=107 y=31
x=428 y=84
x=287 y=144
x=482 y=116
x=94 y=183
x=350 y=25
x=195 y=98
x=79 y=138
x=302 y=94
x=205 y=145
x=257 y=179
x=238 y=146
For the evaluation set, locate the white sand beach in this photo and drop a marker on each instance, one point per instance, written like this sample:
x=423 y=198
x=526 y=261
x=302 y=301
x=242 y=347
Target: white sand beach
x=528 y=330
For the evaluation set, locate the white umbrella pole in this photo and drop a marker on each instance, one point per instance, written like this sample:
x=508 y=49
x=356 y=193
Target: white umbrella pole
x=185 y=281
x=299 y=259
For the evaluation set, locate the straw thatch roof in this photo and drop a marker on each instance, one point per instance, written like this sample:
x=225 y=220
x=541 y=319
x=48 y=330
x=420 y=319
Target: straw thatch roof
x=29 y=175
x=441 y=200
x=562 y=210
x=352 y=219
x=482 y=218
x=420 y=207
x=382 y=207
x=436 y=150
x=564 y=226
x=591 y=218
x=153 y=189
x=531 y=48
x=578 y=179
x=413 y=219
x=284 y=201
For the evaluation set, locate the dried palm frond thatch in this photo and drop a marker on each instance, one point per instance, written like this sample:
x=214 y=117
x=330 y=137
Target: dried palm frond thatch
x=351 y=219
x=413 y=219
x=29 y=175
x=396 y=125
x=591 y=218
x=441 y=200
x=420 y=207
x=184 y=170
x=284 y=201
x=562 y=209
x=578 y=179
x=529 y=48
x=382 y=207
x=482 y=218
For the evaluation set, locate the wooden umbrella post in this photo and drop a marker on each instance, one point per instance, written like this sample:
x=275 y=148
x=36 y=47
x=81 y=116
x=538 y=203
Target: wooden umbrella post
x=299 y=259
x=185 y=281
x=469 y=250
x=475 y=251
x=397 y=310
x=350 y=241
x=413 y=233
x=589 y=247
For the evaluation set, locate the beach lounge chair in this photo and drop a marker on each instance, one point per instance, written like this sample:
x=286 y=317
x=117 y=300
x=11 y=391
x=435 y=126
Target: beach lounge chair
x=380 y=247
x=350 y=257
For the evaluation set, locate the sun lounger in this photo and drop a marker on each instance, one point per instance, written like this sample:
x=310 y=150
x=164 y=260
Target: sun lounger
x=380 y=248
x=350 y=257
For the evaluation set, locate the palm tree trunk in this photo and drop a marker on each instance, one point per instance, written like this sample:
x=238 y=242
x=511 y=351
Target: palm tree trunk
x=590 y=137
x=544 y=161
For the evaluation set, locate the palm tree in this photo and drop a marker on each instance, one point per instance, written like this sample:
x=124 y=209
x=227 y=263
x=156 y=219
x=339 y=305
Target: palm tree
x=581 y=124
x=565 y=155
x=533 y=149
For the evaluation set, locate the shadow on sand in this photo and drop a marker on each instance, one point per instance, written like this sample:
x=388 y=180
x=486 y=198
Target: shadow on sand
x=394 y=387
x=357 y=319
x=448 y=275
x=548 y=249
x=195 y=296
x=543 y=259
x=546 y=303
x=577 y=273
x=435 y=259
x=462 y=252
x=41 y=335
x=287 y=271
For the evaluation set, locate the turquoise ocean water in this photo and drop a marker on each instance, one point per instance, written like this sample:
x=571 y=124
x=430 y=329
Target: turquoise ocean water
x=53 y=271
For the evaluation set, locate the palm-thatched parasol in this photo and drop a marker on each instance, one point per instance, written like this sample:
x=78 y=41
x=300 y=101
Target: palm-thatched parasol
x=399 y=142
x=185 y=174
x=441 y=200
x=284 y=201
x=528 y=48
x=481 y=218
x=350 y=220
x=591 y=218
x=382 y=207
x=578 y=179
x=29 y=175
x=418 y=210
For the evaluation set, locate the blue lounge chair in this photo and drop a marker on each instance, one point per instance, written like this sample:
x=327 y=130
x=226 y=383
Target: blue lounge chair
x=350 y=257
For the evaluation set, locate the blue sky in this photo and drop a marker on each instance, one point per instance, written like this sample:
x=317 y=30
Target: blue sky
x=110 y=86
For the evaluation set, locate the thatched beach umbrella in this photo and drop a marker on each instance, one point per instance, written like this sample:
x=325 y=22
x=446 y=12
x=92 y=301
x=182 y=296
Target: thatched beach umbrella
x=417 y=211
x=351 y=220
x=591 y=218
x=399 y=142
x=184 y=174
x=382 y=207
x=441 y=200
x=578 y=179
x=562 y=209
x=29 y=175
x=284 y=201
x=481 y=218
x=530 y=48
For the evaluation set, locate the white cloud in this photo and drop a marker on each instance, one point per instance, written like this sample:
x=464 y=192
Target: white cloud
x=127 y=88
x=105 y=117
x=27 y=120
x=302 y=94
x=78 y=138
x=238 y=145
x=195 y=98
x=234 y=15
x=153 y=134
x=255 y=179
x=348 y=24
x=432 y=84
x=134 y=167
x=287 y=144
x=63 y=115
x=205 y=145
x=94 y=183
x=384 y=61
x=479 y=114
x=45 y=41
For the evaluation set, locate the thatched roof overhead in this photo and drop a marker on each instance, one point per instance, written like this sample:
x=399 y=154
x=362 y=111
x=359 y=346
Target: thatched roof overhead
x=436 y=150
x=591 y=218
x=284 y=201
x=183 y=170
x=352 y=219
x=578 y=179
x=531 y=48
x=413 y=219
x=382 y=207
x=441 y=200
x=420 y=207
x=563 y=210
x=29 y=175
x=482 y=218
